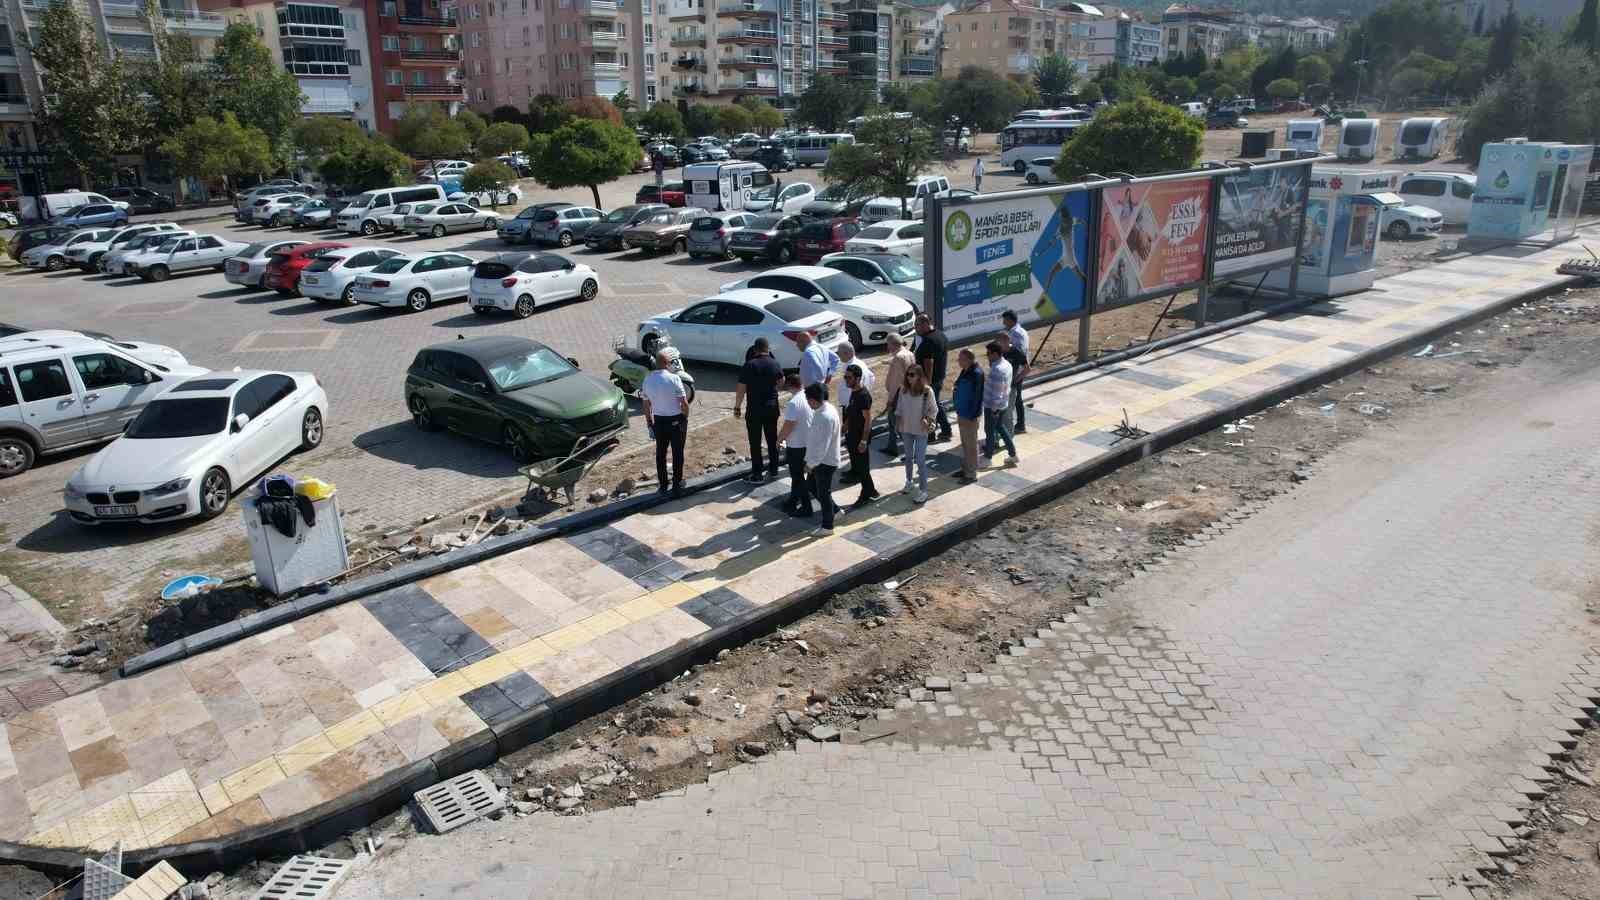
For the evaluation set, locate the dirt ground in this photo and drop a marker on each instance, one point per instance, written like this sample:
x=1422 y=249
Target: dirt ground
x=1561 y=855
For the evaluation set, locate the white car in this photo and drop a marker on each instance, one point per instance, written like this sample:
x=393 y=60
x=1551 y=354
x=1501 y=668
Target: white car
x=160 y=356
x=519 y=282
x=182 y=254
x=509 y=197
x=116 y=261
x=869 y=314
x=1041 y=170
x=789 y=198
x=193 y=446
x=439 y=219
x=415 y=282
x=720 y=329
x=1447 y=193
x=886 y=272
x=250 y=264
x=86 y=254
x=52 y=257
x=394 y=219
x=277 y=210
x=331 y=277
x=1401 y=222
x=901 y=237
x=8 y=219
x=917 y=192
x=444 y=168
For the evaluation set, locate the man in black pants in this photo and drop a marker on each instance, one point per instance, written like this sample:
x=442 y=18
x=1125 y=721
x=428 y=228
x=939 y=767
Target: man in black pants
x=793 y=431
x=758 y=383
x=666 y=411
x=857 y=426
x=932 y=355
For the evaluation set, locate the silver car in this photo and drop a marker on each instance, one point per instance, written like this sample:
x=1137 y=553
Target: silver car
x=394 y=219
x=53 y=257
x=277 y=211
x=709 y=234
x=185 y=254
x=247 y=268
x=116 y=262
x=439 y=219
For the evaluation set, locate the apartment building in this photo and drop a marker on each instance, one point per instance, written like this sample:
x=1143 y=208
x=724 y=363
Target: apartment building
x=1194 y=29
x=1010 y=36
x=517 y=49
x=1122 y=40
x=1304 y=34
x=918 y=31
x=415 y=52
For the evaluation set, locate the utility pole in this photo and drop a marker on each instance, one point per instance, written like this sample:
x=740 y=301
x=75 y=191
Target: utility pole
x=1361 y=66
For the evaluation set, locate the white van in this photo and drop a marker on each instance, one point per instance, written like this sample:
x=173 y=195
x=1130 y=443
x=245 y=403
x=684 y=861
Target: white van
x=1358 y=139
x=724 y=185
x=363 y=212
x=813 y=149
x=1422 y=138
x=1195 y=109
x=880 y=209
x=59 y=202
x=1303 y=134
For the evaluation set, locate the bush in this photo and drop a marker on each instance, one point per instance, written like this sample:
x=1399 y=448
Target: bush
x=1550 y=95
x=488 y=177
x=1138 y=136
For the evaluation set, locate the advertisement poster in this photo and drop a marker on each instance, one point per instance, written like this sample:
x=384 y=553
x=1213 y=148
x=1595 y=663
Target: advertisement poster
x=1356 y=218
x=1152 y=238
x=1026 y=254
x=1505 y=187
x=1315 y=247
x=1257 y=217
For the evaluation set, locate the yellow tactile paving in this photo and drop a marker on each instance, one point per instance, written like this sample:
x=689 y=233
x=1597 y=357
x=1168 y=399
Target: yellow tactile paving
x=354 y=730
x=160 y=882
x=215 y=798
x=305 y=754
x=253 y=779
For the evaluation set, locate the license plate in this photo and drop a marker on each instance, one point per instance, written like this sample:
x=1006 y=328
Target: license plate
x=311 y=279
x=826 y=336
x=109 y=511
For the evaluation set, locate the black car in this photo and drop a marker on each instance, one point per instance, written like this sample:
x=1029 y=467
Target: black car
x=776 y=157
x=835 y=203
x=28 y=238
x=671 y=157
x=141 y=199
x=770 y=236
x=1226 y=118
x=607 y=233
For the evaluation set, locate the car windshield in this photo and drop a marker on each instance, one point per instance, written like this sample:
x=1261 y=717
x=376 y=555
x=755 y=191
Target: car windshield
x=620 y=215
x=536 y=365
x=842 y=286
x=391 y=265
x=901 y=270
x=254 y=249
x=190 y=417
x=1357 y=133
x=835 y=194
x=529 y=213
x=764 y=223
x=876 y=233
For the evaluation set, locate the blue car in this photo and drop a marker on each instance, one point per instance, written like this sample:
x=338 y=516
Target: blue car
x=93 y=214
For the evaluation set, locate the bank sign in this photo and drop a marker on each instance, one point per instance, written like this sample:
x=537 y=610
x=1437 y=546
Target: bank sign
x=1026 y=254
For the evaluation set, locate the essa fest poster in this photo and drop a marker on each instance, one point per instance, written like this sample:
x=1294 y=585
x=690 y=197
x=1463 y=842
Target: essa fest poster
x=1026 y=254
x=1258 y=213
x=1152 y=238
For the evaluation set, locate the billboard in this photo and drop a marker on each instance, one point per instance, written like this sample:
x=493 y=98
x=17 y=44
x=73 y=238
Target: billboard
x=1152 y=238
x=1024 y=252
x=1258 y=216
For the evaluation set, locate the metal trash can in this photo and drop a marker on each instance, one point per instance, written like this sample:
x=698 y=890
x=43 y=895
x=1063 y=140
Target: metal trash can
x=1255 y=143
x=314 y=553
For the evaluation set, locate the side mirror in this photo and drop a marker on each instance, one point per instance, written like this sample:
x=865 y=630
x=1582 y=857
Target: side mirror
x=137 y=377
x=879 y=279
x=240 y=421
x=480 y=387
x=574 y=361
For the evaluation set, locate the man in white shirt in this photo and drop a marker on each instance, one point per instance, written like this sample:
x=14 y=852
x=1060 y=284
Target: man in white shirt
x=977 y=175
x=822 y=452
x=792 y=431
x=666 y=412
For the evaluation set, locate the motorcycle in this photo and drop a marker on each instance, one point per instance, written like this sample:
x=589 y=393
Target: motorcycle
x=632 y=364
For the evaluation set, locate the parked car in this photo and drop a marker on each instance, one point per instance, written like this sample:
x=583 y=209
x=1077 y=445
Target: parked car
x=440 y=219
x=115 y=262
x=712 y=233
x=870 y=314
x=191 y=448
x=745 y=147
x=835 y=203
x=776 y=157
x=511 y=391
x=317 y=213
x=666 y=154
x=719 y=329
x=246 y=267
x=52 y=257
x=519 y=282
x=671 y=193
x=818 y=238
x=276 y=211
x=663 y=231
x=887 y=272
x=1041 y=170
x=395 y=219
x=917 y=194
x=789 y=198
x=519 y=230
x=284 y=268
x=1227 y=118
x=182 y=254
x=1447 y=193
x=1401 y=222
x=141 y=199
x=768 y=236
x=443 y=168
x=492 y=199
x=897 y=236
x=91 y=215
x=415 y=282
x=331 y=276
x=563 y=226
x=86 y=254
x=8 y=219
x=63 y=389
x=695 y=153
x=606 y=234
x=244 y=206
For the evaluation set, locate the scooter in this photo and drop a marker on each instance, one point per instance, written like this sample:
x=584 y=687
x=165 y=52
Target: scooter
x=632 y=364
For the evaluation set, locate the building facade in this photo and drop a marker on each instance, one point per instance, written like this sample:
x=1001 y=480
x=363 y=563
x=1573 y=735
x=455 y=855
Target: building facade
x=918 y=39
x=1192 y=29
x=1010 y=36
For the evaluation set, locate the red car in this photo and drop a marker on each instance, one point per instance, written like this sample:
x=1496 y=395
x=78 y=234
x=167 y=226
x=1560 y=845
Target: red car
x=818 y=239
x=284 y=268
x=675 y=194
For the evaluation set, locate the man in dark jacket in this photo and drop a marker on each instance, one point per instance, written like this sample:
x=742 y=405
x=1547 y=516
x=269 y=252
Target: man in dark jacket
x=857 y=427
x=758 y=385
x=968 y=403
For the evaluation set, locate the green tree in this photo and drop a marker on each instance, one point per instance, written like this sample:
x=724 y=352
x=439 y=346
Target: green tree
x=1090 y=93
x=1182 y=88
x=700 y=119
x=1550 y=95
x=488 y=177
x=1309 y=70
x=175 y=79
x=733 y=119
x=1283 y=88
x=546 y=113
x=1504 y=44
x=979 y=99
x=831 y=102
x=621 y=100
x=248 y=82
x=509 y=114
x=473 y=123
x=220 y=148
x=366 y=166
x=887 y=156
x=502 y=138
x=1138 y=136
x=764 y=117
x=320 y=137
x=663 y=118
x=896 y=96
x=583 y=152
x=1053 y=77
x=425 y=132
x=1586 y=29
x=92 y=110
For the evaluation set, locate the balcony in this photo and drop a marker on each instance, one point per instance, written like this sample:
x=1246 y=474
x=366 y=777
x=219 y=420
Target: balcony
x=296 y=33
x=446 y=23
x=122 y=10
x=917 y=65
x=430 y=57
x=826 y=64
x=689 y=89
x=687 y=15
x=744 y=10
x=1019 y=62
x=689 y=39
x=689 y=64
x=749 y=36
x=193 y=21
x=598 y=38
x=831 y=40
x=598 y=9
x=756 y=87
x=832 y=18
x=316 y=69
x=748 y=61
x=436 y=91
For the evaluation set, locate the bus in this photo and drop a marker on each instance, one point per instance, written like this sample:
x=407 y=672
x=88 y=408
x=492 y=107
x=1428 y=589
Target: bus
x=1022 y=142
x=856 y=123
x=1064 y=114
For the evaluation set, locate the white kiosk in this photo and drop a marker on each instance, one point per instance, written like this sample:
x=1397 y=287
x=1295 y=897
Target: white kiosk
x=1358 y=139
x=1422 y=138
x=1339 y=247
x=1303 y=134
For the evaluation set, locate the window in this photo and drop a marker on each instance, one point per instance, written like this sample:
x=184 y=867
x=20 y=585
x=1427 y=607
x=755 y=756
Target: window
x=102 y=370
x=1423 y=187
x=704 y=314
x=391 y=42
x=387 y=9
x=419 y=78
x=393 y=77
x=480 y=95
x=1461 y=189
x=43 y=380
x=527 y=36
x=8 y=396
x=352 y=57
x=649 y=33
x=477 y=39
x=738 y=315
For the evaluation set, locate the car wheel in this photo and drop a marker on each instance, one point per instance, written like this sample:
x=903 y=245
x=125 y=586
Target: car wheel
x=438 y=231
x=491 y=224
x=1019 y=167
x=785 y=254
x=55 y=264
x=680 y=245
x=93 y=263
x=1032 y=178
x=311 y=429
x=565 y=239
x=624 y=246
x=16 y=455
x=418 y=300
x=853 y=334
x=215 y=491
x=421 y=416
x=283 y=292
x=590 y=289
x=277 y=221
x=1399 y=231
x=517 y=442
x=159 y=273
x=368 y=229
x=348 y=295
x=524 y=306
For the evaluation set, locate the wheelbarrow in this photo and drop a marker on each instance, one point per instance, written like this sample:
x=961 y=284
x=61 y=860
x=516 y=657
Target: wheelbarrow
x=548 y=476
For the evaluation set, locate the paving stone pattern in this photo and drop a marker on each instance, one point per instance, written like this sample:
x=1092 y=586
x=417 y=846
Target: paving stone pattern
x=283 y=721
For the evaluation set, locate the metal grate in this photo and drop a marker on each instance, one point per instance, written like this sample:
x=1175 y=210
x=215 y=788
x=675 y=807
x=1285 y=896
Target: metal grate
x=451 y=804
x=304 y=878
x=100 y=881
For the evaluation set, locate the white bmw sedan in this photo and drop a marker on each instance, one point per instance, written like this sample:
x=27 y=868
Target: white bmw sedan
x=331 y=277
x=191 y=448
x=519 y=282
x=415 y=282
x=870 y=315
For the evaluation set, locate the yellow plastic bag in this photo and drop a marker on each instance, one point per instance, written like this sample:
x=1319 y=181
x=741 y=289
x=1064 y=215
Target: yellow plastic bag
x=314 y=488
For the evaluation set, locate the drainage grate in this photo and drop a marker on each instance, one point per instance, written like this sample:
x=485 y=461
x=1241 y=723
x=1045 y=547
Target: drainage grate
x=100 y=881
x=452 y=804
x=304 y=878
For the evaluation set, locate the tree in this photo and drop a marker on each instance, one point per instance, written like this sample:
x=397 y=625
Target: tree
x=320 y=137
x=622 y=101
x=502 y=138
x=1551 y=95
x=368 y=165
x=250 y=83
x=1586 y=30
x=598 y=108
x=700 y=119
x=1309 y=70
x=1408 y=83
x=831 y=102
x=546 y=113
x=1090 y=94
x=1283 y=88
x=764 y=117
x=509 y=114
x=583 y=152
x=663 y=118
x=220 y=148
x=733 y=120
x=175 y=79
x=92 y=110
x=488 y=177
x=1053 y=77
x=1182 y=88
x=1139 y=136
x=473 y=123
x=979 y=99
x=1503 y=45
x=425 y=132
x=887 y=156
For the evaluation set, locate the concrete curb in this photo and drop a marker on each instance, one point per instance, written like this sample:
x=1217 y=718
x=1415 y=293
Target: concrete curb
x=311 y=828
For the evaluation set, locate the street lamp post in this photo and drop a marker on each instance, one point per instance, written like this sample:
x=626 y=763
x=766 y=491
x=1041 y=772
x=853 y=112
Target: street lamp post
x=1361 y=66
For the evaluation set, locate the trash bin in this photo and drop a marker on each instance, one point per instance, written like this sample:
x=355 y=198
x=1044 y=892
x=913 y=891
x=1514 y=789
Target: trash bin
x=1255 y=143
x=300 y=540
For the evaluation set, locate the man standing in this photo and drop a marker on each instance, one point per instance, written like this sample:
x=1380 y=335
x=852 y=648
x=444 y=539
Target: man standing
x=666 y=411
x=977 y=175
x=796 y=422
x=758 y=383
x=817 y=364
x=996 y=398
x=1019 y=343
x=822 y=452
x=847 y=358
x=968 y=401
x=857 y=425
x=932 y=355
x=1019 y=366
x=900 y=360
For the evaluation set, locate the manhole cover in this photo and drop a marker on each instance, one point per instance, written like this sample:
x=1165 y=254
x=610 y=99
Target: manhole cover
x=318 y=339
x=101 y=881
x=304 y=878
x=452 y=804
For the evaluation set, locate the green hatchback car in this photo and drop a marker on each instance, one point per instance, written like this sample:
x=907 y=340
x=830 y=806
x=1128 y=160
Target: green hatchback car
x=513 y=392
